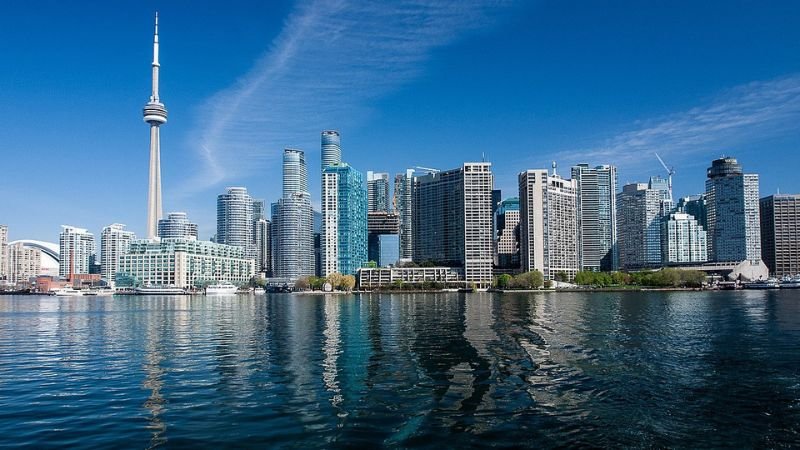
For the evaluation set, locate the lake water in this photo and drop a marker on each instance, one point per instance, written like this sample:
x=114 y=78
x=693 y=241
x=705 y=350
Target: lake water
x=638 y=369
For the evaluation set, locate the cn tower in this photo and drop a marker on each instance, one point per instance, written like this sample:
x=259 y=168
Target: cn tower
x=155 y=114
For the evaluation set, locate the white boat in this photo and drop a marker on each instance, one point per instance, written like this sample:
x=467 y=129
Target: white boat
x=771 y=283
x=259 y=291
x=102 y=292
x=67 y=292
x=790 y=282
x=159 y=290
x=221 y=289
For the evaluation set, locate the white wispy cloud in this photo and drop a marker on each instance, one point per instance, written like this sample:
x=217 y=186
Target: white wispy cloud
x=331 y=59
x=746 y=113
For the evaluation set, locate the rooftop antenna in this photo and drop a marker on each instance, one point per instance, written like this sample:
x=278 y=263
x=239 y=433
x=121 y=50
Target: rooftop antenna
x=670 y=173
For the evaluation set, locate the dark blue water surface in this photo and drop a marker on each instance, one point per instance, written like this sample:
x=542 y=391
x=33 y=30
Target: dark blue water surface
x=639 y=369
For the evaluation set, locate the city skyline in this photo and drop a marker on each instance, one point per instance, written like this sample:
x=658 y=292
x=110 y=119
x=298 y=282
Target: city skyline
x=689 y=115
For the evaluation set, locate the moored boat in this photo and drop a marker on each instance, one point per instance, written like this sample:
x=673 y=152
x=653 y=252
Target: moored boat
x=159 y=290
x=771 y=283
x=221 y=289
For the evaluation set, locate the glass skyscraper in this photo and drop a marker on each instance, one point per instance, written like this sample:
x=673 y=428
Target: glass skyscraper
x=293 y=222
x=507 y=220
x=734 y=228
x=344 y=220
x=235 y=220
x=331 y=148
x=639 y=224
x=597 y=216
x=403 y=200
x=378 y=192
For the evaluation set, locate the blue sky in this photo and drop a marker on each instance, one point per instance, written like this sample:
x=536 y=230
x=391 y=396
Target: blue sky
x=420 y=84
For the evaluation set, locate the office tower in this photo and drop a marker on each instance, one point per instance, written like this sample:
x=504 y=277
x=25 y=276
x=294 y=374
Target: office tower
x=378 y=192
x=683 y=240
x=293 y=221
x=183 y=263
x=639 y=226
x=3 y=251
x=780 y=233
x=694 y=205
x=177 y=226
x=507 y=220
x=732 y=213
x=344 y=220
x=235 y=220
x=114 y=242
x=452 y=220
x=76 y=246
x=155 y=114
x=548 y=230
x=23 y=262
x=597 y=216
x=380 y=227
x=403 y=201
x=331 y=148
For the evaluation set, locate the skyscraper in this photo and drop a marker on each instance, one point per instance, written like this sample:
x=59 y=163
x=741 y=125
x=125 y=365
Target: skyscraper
x=293 y=222
x=76 y=246
x=695 y=205
x=235 y=220
x=23 y=262
x=507 y=220
x=639 y=224
x=261 y=238
x=548 y=229
x=344 y=220
x=597 y=216
x=403 y=200
x=177 y=226
x=780 y=233
x=683 y=240
x=734 y=229
x=378 y=192
x=3 y=251
x=383 y=230
x=452 y=220
x=155 y=114
x=331 y=148
x=114 y=242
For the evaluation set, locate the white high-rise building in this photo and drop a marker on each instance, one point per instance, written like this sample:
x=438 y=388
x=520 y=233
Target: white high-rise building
x=293 y=221
x=155 y=114
x=548 y=224
x=177 y=226
x=683 y=240
x=76 y=247
x=114 y=242
x=23 y=262
x=235 y=220
x=3 y=251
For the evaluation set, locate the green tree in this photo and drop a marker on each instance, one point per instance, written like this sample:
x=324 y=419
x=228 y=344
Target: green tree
x=335 y=280
x=302 y=284
x=529 y=280
x=562 y=276
x=503 y=281
x=371 y=265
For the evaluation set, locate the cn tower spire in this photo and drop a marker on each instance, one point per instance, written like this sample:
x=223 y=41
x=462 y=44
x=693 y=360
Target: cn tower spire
x=155 y=114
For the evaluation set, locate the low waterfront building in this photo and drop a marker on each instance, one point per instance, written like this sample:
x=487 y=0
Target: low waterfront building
x=780 y=233
x=183 y=263
x=372 y=278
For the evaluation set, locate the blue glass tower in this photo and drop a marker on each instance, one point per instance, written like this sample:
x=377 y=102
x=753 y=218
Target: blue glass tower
x=344 y=220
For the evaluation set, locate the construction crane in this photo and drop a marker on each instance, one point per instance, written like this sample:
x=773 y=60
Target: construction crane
x=427 y=169
x=670 y=173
